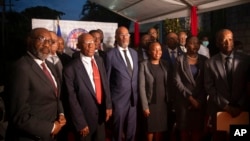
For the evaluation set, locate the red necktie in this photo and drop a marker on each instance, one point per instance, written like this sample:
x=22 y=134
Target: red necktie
x=97 y=81
x=47 y=73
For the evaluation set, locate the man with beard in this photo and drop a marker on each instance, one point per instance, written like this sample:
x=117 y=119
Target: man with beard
x=122 y=71
x=35 y=110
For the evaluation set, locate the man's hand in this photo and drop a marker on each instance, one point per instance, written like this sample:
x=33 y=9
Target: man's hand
x=57 y=128
x=233 y=111
x=194 y=102
x=85 y=131
x=62 y=120
x=108 y=114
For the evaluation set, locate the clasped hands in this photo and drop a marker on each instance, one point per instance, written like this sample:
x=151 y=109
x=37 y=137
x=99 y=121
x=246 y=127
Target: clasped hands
x=194 y=103
x=58 y=124
x=233 y=111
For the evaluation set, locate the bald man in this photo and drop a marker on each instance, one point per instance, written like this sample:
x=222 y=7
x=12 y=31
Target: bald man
x=225 y=78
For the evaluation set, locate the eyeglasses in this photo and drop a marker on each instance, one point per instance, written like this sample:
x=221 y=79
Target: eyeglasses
x=43 y=40
x=89 y=43
x=124 y=35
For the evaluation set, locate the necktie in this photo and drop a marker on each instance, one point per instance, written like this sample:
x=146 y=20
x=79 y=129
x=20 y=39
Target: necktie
x=47 y=73
x=130 y=70
x=173 y=56
x=97 y=81
x=228 y=67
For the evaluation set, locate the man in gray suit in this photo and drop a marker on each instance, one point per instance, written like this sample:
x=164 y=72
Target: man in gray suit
x=225 y=78
x=122 y=71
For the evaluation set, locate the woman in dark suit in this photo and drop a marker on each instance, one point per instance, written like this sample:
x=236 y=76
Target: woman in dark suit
x=153 y=92
x=191 y=95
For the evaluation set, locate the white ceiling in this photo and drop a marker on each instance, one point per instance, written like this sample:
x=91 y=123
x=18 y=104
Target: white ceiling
x=147 y=11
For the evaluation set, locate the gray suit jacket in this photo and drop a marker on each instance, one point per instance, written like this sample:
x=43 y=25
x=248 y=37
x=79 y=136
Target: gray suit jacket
x=146 y=82
x=216 y=82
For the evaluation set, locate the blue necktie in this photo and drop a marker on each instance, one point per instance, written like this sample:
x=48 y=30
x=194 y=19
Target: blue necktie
x=173 y=56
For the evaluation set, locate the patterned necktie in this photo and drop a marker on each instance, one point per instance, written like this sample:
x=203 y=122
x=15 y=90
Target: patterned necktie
x=130 y=70
x=97 y=81
x=47 y=73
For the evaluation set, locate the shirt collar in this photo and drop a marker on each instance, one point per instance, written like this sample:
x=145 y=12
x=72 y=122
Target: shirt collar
x=121 y=48
x=38 y=61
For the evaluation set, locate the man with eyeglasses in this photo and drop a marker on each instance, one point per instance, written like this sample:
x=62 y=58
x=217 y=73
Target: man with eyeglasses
x=88 y=91
x=35 y=110
x=122 y=71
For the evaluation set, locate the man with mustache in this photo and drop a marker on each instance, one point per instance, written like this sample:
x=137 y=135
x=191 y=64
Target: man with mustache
x=35 y=110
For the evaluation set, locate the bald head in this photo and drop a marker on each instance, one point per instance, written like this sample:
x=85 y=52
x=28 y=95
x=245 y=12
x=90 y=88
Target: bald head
x=86 y=44
x=182 y=38
x=122 y=37
x=172 y=40
x=225 y=41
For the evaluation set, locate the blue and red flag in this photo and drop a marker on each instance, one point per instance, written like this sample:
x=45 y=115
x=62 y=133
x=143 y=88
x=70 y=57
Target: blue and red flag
x=58 y=32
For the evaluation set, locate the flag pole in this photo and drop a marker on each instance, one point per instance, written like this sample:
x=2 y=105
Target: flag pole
x=58 y=28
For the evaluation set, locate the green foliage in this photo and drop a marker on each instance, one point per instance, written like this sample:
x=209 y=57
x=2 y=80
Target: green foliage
x=94 y=12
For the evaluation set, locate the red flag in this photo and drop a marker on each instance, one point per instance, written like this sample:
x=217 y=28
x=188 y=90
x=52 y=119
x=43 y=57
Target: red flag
x=194 y=27
x=136 y=34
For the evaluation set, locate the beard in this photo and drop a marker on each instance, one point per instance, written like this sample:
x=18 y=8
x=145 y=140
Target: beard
x=41 y=54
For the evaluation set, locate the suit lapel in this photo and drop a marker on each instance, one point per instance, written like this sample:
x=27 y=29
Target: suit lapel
x=100 y=68
x=134 y=61
x=120 y=59
x=187 y=70
x=164 y=70
x=36 y=68
x=220 y=67
x=82 y=73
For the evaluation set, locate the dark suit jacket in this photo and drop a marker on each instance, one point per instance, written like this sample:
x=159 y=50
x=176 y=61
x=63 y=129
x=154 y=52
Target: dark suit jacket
x=172 y=88
x=184 y=80
x=33 y=103
x=65 y=58
x=187 y=85
x=123 y=87
x=82 y=100
x=146 y=82
x=140 y=54
x=216 y=82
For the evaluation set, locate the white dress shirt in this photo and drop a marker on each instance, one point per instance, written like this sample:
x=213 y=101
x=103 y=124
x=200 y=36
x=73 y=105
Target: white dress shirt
x=128 y=54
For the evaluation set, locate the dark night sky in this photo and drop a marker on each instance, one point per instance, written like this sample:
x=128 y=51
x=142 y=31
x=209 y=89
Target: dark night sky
x=71 y=8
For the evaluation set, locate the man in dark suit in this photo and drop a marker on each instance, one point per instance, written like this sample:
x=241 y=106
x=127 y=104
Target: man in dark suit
x=225 y=78
x=89 y=101
x=122 y=71
x=97 y=38
x=104 y=47
x=170 y=53
x=143 y=47
x=53 y=57
x=65 y=58
x=35 y=110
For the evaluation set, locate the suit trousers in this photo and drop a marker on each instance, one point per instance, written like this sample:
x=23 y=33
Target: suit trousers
x=98 y=135
x=124 y=123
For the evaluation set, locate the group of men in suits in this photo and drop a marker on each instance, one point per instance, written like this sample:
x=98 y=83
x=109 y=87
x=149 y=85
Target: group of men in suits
x=101 y=89
x=94 y=92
